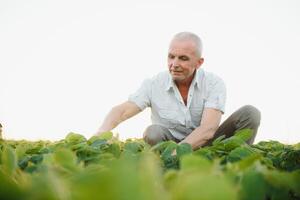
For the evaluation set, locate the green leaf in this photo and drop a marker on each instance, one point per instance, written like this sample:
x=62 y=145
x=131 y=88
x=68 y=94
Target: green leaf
x=206 y=152
x=193 y=162
x=9 y=160
x=37 y=158
x=66 y=159
x=114 y=149
x=98 y=143
x=170 y=177
x=201 y=185
x=297 y=146
x=106 y=135
x=247 y=162
x=168 y=151
x=183 y=149
x=23 y=162
x=239 y=153
x=244 y=134
x=133 y=147
x=9 y=189
x=78 y=146
x=290 y=160
x=232 y=143
x=34 y=148
x=286 y=180
x=48 y=185
x=274 y=193
x=218 y=140
x=74 y=138
x=161 y=146
x=253 y=186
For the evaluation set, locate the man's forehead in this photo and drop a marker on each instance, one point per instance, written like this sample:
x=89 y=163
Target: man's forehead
x=177 y=45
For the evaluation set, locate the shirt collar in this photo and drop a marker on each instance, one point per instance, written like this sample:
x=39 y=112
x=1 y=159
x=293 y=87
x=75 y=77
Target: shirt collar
x=171 y=84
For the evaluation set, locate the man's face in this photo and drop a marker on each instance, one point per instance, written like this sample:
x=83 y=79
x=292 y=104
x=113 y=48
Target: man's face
x=183 y=60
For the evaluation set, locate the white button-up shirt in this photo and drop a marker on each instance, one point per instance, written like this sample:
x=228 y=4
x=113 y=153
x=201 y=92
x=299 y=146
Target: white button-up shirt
x=167 y=106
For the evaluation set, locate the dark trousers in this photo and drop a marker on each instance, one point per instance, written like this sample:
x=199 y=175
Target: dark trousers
x=246 y=117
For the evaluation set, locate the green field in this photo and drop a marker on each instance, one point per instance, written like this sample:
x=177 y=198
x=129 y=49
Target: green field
x=104 y=167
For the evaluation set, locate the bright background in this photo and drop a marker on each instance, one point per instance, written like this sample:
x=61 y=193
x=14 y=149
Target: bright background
x=65 y=63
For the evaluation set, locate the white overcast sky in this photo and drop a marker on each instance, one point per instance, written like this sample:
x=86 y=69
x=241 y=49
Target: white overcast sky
x=65 y=63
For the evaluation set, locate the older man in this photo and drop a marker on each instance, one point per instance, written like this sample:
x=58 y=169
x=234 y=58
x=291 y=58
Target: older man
x=186 y=102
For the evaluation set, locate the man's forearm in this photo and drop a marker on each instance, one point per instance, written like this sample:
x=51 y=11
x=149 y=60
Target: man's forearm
x=199 y=136
x=117 y=115
x=112 y=119
x=208 y=127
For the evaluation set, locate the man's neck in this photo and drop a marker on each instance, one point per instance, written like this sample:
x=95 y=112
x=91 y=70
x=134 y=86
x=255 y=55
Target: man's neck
x=185 y=83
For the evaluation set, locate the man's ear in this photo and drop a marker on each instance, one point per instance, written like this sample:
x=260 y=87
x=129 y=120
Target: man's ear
x=200 y=62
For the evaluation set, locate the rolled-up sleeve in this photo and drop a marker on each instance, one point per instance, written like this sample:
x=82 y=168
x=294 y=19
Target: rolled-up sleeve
x=142 y=97
x=216 y=97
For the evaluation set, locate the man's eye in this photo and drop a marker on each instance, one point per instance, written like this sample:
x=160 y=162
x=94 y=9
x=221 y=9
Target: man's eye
x=171 y=56
x=184 y=58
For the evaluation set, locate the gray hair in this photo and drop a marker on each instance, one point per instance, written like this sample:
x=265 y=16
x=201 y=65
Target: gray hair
x=191 y=36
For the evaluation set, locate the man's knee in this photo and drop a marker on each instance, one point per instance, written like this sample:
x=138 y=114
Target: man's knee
x=251 y=118
x=252 y=114
x=153 y=134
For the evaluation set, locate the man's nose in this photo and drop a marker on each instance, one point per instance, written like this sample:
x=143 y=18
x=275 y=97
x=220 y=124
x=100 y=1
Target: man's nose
x=175 y=63
x=174 y=67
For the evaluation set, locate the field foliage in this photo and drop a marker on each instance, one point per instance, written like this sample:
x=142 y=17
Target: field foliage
x=104 y=167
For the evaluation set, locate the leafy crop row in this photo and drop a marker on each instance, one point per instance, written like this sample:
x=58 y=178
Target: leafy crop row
x=103 y=167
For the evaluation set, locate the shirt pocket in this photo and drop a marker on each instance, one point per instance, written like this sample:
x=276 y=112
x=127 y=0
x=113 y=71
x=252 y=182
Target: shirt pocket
x=196 y=115
x=169 y=118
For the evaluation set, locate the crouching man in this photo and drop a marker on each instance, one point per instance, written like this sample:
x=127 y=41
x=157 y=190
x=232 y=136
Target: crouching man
x=186 y=101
